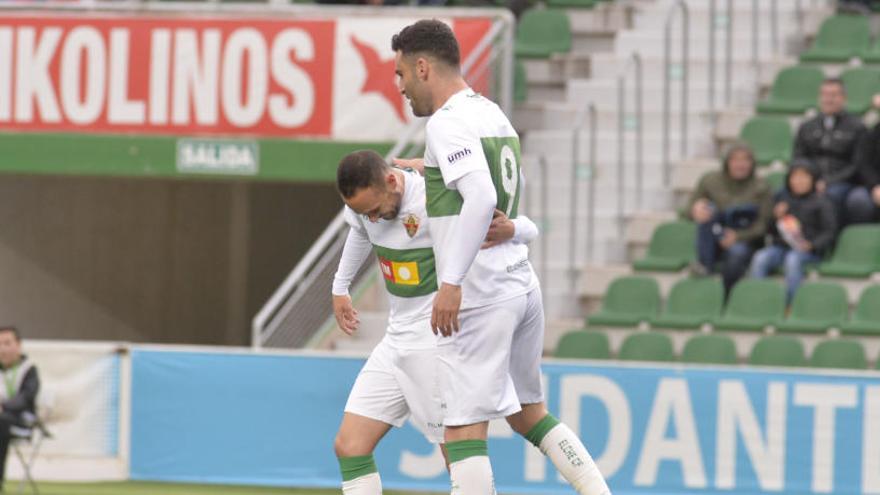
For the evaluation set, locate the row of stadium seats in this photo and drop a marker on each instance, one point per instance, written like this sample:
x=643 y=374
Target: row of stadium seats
x=856 y=255
x=842 y=38
x=770 y=350
x=753 y=305
x=795 y=88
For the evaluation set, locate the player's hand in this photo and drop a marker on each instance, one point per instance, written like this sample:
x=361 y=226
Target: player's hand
x=417 y=164
x=346 y=315
x=502 y=229
x=444 y=317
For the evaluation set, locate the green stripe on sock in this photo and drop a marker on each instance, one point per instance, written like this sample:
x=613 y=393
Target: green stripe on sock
x=463 y=449
x=540 y=430
x=355 y=467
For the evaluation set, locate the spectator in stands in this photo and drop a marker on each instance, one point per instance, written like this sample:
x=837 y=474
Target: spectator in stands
x=803 y=229
x=863 y=203
x=830 y=140
x=18 y=392
x=731 y=207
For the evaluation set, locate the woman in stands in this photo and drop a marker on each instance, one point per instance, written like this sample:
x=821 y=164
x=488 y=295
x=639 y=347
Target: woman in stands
x=803 y=228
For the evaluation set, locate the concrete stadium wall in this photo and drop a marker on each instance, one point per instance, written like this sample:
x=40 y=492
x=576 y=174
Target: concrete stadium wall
x=170 y=261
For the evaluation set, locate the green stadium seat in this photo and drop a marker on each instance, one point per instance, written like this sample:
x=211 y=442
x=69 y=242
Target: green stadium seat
x=847 y=354
x=776 y=180
x=643 y=346
x=840 y=38
x=709 y=349
x=861 y=85
x=691 y=303
x=520 y=82
x=778 y=350
x=769 y=137
x=872 y=54
x=753 y=304
x=628 y=302
x=572 y=4
x=672 y=247
x=857 y=254
x=583 y=344
x=543 y=32
x=866 y=318
x=795 y=90
x=817 y=306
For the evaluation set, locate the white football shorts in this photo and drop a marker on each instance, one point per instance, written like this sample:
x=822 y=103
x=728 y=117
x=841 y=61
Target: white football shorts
x=396 y=384
x=493 y=364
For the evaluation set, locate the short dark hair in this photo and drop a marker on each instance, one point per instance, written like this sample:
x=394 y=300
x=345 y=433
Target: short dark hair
x=358 y=170
x=835 y=80
x=431 y=37
x=10 y=328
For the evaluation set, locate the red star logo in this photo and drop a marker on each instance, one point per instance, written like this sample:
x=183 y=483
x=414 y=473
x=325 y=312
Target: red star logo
x=380 y=77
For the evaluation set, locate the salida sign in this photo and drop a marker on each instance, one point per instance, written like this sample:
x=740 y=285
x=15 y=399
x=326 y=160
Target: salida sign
x=217 y=76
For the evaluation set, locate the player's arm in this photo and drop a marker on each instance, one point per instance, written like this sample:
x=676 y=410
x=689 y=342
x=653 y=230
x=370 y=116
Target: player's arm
x=464 y=167
x=356 y=249
x=479 y=200
x=417 y=164
x=521 y=230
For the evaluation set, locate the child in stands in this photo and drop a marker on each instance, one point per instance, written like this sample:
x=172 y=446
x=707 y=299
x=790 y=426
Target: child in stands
x=802 y=231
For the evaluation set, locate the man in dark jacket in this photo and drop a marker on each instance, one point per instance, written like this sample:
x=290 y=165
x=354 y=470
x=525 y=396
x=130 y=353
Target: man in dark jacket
x=863 y=203
x=803 y=229
x=18 y=393
x=829 y=140
x=731 y=208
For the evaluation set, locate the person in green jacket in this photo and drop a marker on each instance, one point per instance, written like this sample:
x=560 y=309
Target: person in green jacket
x=732 y=209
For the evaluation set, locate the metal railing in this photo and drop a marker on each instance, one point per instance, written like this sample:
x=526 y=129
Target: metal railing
x=728 y=53
x=544 y=223
x=679 y=6
x=774 y=31
x=587 y=112
x=635 y=61
x=301 y=305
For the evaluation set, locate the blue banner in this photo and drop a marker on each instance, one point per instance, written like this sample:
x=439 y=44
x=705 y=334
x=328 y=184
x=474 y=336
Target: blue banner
x=271 y=419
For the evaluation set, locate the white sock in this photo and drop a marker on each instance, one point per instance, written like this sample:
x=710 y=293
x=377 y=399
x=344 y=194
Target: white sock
x=368 y=484
x=472 y=476
x=571 y=458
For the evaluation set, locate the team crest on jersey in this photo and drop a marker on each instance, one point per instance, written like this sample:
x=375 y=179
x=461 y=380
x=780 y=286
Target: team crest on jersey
x=411 y=224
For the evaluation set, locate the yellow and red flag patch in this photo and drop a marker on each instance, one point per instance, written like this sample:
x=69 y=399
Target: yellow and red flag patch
x=403 y=273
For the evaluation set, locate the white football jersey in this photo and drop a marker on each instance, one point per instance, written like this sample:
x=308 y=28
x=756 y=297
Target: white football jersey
x=406 y=260
x=471 y=133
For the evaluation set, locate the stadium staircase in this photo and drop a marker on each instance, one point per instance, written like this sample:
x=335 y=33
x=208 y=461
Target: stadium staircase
x=607 y=173
x=632 y=198
x=831 y=321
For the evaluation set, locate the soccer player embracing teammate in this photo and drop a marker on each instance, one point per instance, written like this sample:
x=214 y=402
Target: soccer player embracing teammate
x=487 y=312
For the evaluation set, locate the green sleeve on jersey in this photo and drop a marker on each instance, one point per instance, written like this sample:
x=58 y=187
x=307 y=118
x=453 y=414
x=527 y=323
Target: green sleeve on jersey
x=503 y=156
x=408 y=272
